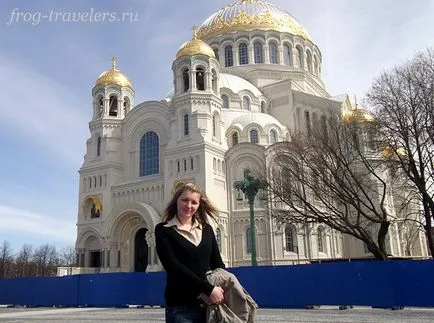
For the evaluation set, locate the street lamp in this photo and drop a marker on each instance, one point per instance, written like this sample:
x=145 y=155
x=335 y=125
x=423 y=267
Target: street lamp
x=250 y=187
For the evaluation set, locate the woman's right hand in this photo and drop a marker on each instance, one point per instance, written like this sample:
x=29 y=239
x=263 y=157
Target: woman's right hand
x=217 y=295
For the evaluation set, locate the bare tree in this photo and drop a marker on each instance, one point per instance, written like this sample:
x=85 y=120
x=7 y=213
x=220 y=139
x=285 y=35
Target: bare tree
x=337 y=175
x=46 y=260
x=403 y=99
x=6 y=260
x=23 y=264
x=68 y=257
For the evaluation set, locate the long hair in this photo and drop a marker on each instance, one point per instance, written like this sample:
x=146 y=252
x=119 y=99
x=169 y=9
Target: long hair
x=205 y=206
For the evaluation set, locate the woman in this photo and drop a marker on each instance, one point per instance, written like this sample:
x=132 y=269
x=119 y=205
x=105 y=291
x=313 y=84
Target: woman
x=187 y=248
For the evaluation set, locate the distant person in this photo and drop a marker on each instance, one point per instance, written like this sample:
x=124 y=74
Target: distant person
x=187 y=248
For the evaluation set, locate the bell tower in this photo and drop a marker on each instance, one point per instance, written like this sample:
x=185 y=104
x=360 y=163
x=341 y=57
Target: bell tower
x=112 y=99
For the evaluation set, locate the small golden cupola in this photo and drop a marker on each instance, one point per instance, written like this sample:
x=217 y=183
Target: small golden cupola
x=195 y=47
x=358 y=115
x=113 y=77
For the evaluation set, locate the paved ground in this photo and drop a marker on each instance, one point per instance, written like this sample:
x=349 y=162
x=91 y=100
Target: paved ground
x=150 y=315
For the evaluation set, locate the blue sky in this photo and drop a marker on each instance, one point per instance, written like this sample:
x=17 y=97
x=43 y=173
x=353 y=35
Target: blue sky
x=48 y=68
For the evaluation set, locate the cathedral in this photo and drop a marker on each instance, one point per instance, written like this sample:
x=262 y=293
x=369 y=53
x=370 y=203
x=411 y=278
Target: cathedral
x=249 y=77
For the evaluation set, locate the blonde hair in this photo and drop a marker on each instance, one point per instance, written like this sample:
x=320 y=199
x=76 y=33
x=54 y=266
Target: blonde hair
x=205 y=206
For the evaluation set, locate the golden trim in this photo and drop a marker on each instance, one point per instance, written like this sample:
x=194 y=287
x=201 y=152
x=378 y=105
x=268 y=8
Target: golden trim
x=245 y=21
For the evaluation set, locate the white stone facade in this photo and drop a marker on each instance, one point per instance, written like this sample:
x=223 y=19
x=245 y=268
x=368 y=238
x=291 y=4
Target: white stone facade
x=203 y=132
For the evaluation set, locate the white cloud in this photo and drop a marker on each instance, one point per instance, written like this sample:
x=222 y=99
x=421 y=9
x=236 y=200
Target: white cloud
x=18 y=220
x=42 y=110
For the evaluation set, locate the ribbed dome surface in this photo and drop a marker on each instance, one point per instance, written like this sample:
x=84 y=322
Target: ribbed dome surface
x=250 y=15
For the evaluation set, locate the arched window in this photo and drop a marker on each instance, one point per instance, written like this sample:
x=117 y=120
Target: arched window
x=200 y=79
x=127 y=105
x=257 y=50
x=308 y=123
x=248 y=241
x=186 y=125
x=218 y=237
x=113 y=106
x=254 y=136
x=309 y=61
x=321 y=239
x=262 y=106
x=286 y=54
x=225 y=100
x=235 y=138
x=229 y=60
x=300 y=57
x=186 y=79
x=214 y=126
x=273 y=53
x=246 y=103
x=100 y=107
x=149 y=154
x=273 y=137
x=290 y=238
x=244 y=57
x=98 y=146
x=214 y=80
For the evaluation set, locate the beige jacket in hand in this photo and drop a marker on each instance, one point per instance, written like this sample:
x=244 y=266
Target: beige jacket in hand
x=238 y=307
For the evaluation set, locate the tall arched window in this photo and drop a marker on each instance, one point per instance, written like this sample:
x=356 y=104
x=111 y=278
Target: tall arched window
x=225 y=100
x=248 y=241
x=214 y=125
x=229 y=60
x=243 y=54
x=321 y=239
x=315 y=65
x=200 y=79
x=100 y=106
x=235 y=138
x=300 y=57
x=308 y=123
x=257 y=50
x=290 y=238
x=309 y=61
x=263 y=106
x=214 y=80
x=273 y=137
x=98 y=146
x=286 y=54
x=149 y=154
x=113 y=106
x=246 y=103
x=218 y=237
x=254 y=139
x=186 y=79
x=127 y=105
x=186 y=125
x=273 y=53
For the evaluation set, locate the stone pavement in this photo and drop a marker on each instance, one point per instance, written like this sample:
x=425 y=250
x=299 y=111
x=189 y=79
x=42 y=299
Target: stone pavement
x=151 y=315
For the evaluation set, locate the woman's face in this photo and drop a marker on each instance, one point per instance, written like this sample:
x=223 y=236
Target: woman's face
x=188 y=203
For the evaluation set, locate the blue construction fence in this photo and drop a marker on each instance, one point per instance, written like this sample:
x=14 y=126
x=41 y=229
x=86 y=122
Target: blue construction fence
x=363 y=283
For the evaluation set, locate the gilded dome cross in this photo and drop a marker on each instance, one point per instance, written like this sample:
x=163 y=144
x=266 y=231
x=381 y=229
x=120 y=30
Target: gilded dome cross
x=114 y=59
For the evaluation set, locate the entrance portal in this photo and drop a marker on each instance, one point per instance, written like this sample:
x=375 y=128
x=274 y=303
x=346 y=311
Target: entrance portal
x=140 y=251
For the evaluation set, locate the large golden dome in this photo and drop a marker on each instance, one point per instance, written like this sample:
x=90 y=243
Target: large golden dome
x=358 y=116
x=195 y=47
x=113 y=76
x=250 y=15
